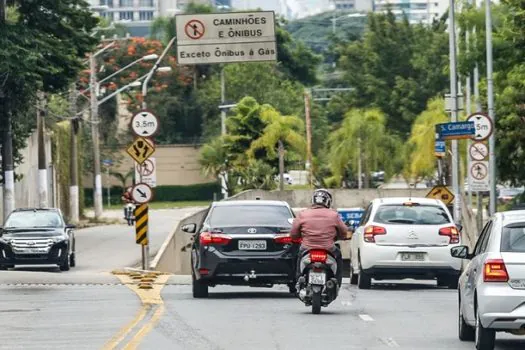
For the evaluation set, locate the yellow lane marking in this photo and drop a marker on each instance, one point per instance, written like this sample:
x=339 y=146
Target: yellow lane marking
x=149 y=298
x=135 y=341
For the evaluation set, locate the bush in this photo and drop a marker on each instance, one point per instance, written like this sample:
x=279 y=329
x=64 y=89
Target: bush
x=199 y=192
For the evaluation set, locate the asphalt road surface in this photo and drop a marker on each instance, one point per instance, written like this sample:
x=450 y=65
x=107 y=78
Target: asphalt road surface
x=88 y=308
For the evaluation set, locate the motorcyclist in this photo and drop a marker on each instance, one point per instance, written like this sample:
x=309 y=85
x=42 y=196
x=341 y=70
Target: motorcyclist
x=320 y=226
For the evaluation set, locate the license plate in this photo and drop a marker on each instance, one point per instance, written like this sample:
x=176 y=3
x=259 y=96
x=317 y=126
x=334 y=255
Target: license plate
x=413 y=256
x=252 y=245
x=317 y=278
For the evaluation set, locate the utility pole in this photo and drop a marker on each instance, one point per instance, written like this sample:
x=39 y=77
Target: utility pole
x=468 y=93
x=309 y=165
x=42 y=166
x=454 y=110
x=97 y=185
x=74 y=199
x=492 y=115
x=7 y=145
x=223 y=128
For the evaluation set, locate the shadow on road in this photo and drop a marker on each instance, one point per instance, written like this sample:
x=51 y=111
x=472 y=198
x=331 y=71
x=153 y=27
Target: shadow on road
x=51 y=269
x=251 y=295
x=510 y=344
x=405 y=285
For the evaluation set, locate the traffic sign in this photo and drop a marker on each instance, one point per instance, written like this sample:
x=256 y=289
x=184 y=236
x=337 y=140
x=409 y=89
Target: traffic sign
x=147 y=172
x=141 y=224
x=440 y=148
x=141 y=193
x=226 y=37
x=478 y=176
x=478 y=151
x=141 y=149
x=442 y=193
x=144 y=124
x=483 y=126
x=455 y=130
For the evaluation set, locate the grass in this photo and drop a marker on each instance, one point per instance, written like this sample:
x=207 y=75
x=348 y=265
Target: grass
x=162 y=205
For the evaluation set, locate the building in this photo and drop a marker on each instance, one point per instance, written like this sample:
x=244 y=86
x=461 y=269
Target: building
x=417 y=11
x=280 y=7
x=353 y=5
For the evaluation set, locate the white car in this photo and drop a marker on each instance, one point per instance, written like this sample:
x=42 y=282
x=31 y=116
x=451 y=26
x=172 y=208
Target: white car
x=401 y=238
x=492 y=287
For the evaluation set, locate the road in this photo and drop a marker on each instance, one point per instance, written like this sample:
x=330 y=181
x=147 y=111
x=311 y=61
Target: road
x=89 y=308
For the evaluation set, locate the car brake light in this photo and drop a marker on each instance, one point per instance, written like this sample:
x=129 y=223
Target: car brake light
x=204 y=271
x=452 y=232
x=287 y=239
x=318 y=255
x=495 y=271
x=207 y=238
x=371 y=232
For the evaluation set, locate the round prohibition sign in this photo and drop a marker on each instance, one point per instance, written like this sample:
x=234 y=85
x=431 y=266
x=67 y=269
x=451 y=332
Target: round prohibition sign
x=146 y=168
x=194 y=29
x=479 y=171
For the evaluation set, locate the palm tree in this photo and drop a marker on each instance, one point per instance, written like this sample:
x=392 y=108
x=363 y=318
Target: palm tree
x=279 y=131
x=361 y=142
x=213 y=159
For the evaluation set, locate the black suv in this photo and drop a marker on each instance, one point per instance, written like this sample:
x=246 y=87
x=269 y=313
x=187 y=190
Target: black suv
x=37 y=237
x=243 y=243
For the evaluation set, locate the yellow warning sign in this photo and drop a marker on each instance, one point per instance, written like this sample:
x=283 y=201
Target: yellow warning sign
x=141 y=149
x=141 y=224
x=442 y=193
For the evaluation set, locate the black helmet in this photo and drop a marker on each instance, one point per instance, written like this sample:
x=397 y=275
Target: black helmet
x=322 y=197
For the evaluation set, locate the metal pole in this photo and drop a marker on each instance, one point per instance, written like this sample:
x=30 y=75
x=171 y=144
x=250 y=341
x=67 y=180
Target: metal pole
x=42 y=166
x=74 y=199
x=109 y=187
x=359 y=164
x=97 y=188
x=309 y=165
x=492 y=115
x=223 y=128
x=454 y=111
x=479 y=197
x=468 y=100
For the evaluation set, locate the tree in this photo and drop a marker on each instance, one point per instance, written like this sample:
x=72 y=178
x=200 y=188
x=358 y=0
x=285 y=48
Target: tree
x=214 y=160
x=361 y=143
x=281 y=131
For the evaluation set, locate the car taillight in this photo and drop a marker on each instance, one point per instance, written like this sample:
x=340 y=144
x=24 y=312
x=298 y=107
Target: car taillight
x=207 y=238
x=287 y=239
x=317 y=255
x=452 y=232
x=495 y=271
x=371 y=232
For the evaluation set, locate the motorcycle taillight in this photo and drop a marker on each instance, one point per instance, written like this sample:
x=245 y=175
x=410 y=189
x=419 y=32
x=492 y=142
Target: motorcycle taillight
x=318 y=255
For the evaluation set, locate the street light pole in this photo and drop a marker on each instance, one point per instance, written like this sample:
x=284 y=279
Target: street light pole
x=492 y=115
x=454 y=110
x=74 y=199
x=223 y=130
x=42 y=166
x=97 y=188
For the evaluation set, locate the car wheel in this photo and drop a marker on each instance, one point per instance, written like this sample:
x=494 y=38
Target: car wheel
x=73 y=260
x=199 y=288
x=364 y=281
x=465 y=332
x=353 y=276
x=292 y=289
x=485 y=338
x=65 y=265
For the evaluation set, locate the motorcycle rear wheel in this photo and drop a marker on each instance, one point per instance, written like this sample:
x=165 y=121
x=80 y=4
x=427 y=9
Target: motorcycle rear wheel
x=316 y=303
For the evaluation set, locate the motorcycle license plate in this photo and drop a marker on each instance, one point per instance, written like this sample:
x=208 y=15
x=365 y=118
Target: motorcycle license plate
x=317 y=278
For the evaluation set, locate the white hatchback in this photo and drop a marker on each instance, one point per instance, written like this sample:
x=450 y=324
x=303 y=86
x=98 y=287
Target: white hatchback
x=401 y=238
x=492 y=287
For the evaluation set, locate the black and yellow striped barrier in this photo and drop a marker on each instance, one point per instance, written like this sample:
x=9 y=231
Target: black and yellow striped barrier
x=141 y=224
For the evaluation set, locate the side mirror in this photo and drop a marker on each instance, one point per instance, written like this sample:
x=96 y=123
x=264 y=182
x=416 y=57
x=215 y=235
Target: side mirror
x=71 y=226
x=460 y=252
x=290 y=221
x=460 y=227
x=189 y=228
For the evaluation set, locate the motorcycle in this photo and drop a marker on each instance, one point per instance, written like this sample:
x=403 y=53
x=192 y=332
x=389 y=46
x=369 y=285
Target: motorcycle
x=129 y=210
x=317 y=285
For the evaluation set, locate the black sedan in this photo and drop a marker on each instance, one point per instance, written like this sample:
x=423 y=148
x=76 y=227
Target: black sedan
x=37 y=237
x=243 y=243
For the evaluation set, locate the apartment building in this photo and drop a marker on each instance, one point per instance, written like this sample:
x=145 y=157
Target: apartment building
x=417 y=11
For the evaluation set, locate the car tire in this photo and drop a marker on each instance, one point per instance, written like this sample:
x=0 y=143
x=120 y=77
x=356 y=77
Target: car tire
x=364 y=281
x=199 y=288
x=353 y=276
x=73 y=260
x=465 y=331
x=65 y=265
x=485 y=338
x=292 y=289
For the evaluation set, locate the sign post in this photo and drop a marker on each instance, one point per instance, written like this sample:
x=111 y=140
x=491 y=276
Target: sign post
x=144 y=126
x=479 y=167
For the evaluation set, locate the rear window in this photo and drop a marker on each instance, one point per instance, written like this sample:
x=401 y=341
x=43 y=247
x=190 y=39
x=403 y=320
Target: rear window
x=513 y=238
x=411 y=214
x=250 y=215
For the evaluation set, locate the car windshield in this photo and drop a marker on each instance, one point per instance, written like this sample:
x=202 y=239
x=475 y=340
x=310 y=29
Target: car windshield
x=250 y=215
x=513 y=238
x=411 y=214
x=28 y=219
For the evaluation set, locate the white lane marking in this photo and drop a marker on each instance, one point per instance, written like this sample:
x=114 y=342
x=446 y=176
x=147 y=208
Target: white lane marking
x=366 y=318
x=391 y=343
x=346 y=303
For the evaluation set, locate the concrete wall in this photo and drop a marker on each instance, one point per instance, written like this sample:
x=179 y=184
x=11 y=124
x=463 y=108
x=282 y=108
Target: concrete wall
x=342 y=198
x=176 y=165
x=26 y=190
